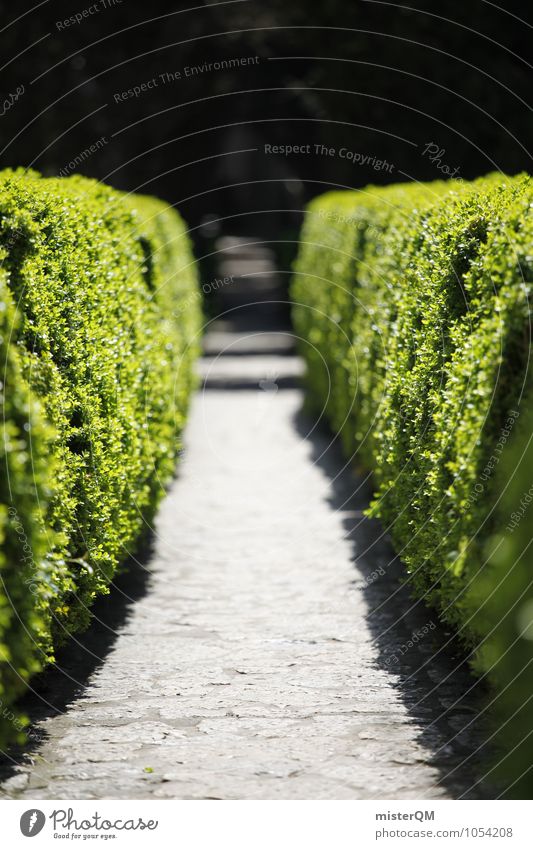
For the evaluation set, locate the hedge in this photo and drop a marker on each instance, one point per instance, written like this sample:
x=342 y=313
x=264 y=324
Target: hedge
x=412 y=304
x=505 y=608
x=100 y=311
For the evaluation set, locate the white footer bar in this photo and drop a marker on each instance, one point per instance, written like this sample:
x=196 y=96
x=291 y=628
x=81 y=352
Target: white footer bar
x=206 y=824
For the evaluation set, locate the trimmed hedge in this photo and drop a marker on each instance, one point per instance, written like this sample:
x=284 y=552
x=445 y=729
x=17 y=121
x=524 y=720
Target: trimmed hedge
x=505 y=611
x=100 y=311
x=413 y=306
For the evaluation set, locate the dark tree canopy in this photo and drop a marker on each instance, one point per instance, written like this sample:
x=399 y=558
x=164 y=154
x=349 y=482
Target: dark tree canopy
x=380 y=80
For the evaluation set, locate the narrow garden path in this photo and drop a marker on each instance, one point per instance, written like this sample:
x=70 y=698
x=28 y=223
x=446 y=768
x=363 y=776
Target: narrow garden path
x=249 y=663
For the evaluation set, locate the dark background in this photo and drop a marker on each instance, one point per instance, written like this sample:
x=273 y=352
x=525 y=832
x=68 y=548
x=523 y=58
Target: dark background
x=378 y=78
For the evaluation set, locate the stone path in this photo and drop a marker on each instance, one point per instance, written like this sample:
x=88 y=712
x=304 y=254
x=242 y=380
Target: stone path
x=248 y=663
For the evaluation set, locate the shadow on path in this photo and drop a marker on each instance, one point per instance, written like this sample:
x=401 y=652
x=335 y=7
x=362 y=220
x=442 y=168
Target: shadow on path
x=65 y=681
x=427 y=666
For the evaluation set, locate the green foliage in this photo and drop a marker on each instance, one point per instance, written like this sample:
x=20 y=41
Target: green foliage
x=504 y=614
x=413 y=304
x=99 y=311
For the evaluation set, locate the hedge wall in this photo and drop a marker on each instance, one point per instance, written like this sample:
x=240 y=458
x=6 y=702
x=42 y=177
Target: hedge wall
x=412 y=303
x=99 y=310
x=504 y=610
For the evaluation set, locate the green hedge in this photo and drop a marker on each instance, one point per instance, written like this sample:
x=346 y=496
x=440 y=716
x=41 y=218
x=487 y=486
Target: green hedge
x=100 y=312
x=412 y=303
x=505 y=612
